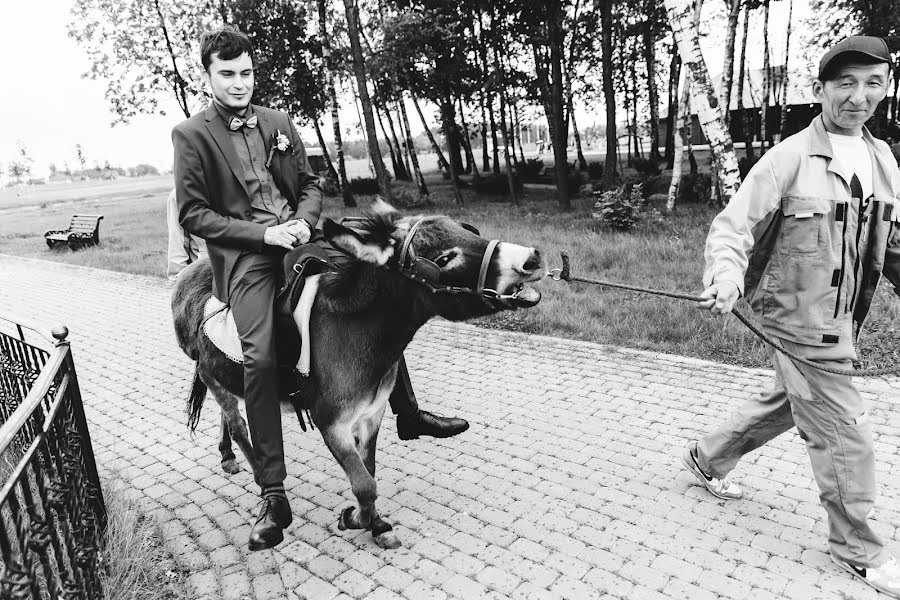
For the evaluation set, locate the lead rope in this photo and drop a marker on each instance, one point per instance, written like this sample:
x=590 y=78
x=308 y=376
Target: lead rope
x=565 y=274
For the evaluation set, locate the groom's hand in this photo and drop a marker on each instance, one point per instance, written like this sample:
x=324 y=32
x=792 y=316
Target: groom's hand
x=281 y=235
x=301 y=230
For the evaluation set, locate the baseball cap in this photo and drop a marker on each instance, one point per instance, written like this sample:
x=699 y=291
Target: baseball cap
x=867 y=49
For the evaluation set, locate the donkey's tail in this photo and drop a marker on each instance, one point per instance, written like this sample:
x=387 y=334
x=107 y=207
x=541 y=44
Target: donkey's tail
x=195 y=400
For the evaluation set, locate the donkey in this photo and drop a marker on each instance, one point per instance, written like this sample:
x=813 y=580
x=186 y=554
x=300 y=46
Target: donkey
x=362 y=319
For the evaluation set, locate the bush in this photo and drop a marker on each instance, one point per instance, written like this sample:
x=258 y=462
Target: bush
x=619 y=208
x=745 y=164
x=329 y=186
x=530 y=169
x=409 y=199
x=366 y=186
x=645 y=166
x=694 y=189
x=496 y=184
x=595 y=170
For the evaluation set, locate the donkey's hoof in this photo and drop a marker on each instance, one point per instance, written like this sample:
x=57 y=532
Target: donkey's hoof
x=387 y=540
x=230 y=466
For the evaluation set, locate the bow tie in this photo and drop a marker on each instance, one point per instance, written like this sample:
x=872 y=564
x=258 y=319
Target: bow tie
x=234 y=124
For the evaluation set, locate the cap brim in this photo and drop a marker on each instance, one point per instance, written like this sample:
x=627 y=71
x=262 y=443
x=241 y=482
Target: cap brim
x=865 y=58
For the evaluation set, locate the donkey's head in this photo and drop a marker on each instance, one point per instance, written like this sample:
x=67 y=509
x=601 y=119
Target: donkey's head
x=465 y=274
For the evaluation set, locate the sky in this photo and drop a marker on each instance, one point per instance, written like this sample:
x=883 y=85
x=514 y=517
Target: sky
x=50 y=107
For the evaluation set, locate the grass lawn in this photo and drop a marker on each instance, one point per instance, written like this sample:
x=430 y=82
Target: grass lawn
x=665 y=254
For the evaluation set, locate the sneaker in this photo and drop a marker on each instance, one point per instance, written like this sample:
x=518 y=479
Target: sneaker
x=885 y=579
x=720 y=488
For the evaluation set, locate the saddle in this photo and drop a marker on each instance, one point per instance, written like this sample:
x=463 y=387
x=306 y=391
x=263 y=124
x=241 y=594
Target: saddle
x=294 y=301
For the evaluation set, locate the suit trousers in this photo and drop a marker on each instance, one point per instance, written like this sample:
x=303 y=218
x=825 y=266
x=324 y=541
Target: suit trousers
x=251 y=289
x=830 y=417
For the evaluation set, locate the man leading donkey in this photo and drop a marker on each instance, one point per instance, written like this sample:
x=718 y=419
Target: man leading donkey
x=243 y=183
x=807 y=238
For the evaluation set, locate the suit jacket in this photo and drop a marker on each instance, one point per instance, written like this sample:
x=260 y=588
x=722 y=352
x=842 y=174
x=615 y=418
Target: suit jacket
x=213 y=202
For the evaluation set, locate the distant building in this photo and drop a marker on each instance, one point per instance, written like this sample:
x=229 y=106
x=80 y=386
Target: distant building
x=801 y=106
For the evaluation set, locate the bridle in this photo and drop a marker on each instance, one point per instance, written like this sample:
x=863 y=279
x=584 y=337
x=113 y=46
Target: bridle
x=426 y=273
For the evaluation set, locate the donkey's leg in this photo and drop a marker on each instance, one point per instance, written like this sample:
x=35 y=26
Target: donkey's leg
x=367 y=439
x=340 y=440
x=229 y=462
x=232 y=419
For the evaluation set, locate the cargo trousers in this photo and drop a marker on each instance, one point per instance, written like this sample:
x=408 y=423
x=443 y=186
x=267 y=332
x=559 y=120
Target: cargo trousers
x=828 y=412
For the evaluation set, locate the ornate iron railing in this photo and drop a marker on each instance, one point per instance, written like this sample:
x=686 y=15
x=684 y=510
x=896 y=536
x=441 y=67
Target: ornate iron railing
x=52 y=515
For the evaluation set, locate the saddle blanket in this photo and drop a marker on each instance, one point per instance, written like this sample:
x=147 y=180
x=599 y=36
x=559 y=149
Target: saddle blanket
x=219 y=327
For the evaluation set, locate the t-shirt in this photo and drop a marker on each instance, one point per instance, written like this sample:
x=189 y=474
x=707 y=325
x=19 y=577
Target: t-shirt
x=853 y=153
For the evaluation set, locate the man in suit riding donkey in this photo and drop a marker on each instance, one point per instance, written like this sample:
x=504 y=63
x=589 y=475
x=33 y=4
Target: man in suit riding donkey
x=244 y=184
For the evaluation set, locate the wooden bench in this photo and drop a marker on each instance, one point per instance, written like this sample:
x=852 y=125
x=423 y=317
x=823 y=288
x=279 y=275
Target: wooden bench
x=84 y=230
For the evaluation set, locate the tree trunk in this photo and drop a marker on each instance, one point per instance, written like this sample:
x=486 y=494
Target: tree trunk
x=494 y=140
x=498 y=68
x=404 y=168
x=413 y=157
x=782 y=128
x=767 y=81
x=485 y=157
x=652 y=92
x=728 y=68
x=332 y=174
x=519 y=133
x=509 y=169
x=609 y=94
x=467 y=143
x=704 y=99
x=451 y=134
x=442 y=162
x=742 y=71
x=674 y=99
x=359 y=70
x=556 y=39
x=448 y=124
x=404 y=147
x=582 y=161
x=343 y=184
x=395 y=162
x=683 y=113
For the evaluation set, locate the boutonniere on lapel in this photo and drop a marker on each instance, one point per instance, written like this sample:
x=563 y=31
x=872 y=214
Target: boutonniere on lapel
x=281 y=143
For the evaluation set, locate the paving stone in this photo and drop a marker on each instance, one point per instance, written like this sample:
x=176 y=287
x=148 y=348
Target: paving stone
x=580 y=499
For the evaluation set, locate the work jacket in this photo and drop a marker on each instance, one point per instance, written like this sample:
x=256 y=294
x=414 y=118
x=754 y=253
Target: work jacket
x=807 y=254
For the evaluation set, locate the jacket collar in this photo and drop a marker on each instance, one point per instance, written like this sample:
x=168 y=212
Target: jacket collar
x=820 y=145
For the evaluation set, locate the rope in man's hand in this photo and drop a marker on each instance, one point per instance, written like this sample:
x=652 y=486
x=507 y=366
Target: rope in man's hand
x=565 y=274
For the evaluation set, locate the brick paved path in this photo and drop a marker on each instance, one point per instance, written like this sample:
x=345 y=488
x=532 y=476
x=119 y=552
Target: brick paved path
x=567 y=485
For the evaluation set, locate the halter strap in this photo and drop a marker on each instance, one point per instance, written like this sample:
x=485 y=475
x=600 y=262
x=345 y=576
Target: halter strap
x=407 y=243
x=485 y=263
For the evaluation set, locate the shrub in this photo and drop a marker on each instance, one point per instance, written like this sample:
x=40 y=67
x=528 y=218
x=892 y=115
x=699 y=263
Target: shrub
x=364 y=186
x=619 y=208
x=409 y=199
x=744 y=166
x=496 y=184
x=530 y=169
x=595 y=170
x=329 y=186
x=645 y=166
x=694 y=189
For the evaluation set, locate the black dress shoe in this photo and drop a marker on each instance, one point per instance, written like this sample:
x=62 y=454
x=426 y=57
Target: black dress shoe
x=274 y=516
x=410 y=427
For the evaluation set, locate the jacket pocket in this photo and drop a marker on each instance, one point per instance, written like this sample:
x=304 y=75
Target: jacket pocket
x=806 y=226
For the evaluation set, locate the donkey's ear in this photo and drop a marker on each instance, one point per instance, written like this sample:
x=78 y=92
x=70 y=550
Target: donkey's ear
x=350 y=242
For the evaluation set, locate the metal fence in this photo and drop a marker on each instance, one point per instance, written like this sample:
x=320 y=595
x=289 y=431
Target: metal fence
x=52 y=515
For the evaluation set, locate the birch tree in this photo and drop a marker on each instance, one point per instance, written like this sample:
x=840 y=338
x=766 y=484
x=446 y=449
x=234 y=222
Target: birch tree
x=703 y=97
x=359 y=70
